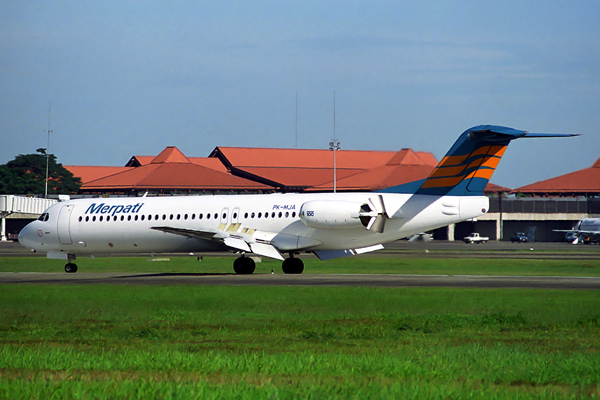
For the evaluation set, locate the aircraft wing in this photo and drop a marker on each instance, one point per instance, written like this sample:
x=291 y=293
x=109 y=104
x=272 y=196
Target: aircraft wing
x=589 y=233
x=251 y=241
x=206 y=235
x=579 y=232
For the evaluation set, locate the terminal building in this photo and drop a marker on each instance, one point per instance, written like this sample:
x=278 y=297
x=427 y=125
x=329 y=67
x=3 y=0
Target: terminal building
x=536 y=209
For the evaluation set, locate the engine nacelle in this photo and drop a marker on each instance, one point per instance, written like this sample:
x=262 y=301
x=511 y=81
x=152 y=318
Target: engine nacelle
x=330 y=214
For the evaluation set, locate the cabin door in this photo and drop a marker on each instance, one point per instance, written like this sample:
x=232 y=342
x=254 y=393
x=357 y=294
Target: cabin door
x=64 y=225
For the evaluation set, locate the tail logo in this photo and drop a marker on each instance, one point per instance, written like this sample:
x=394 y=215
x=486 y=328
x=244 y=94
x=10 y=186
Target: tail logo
x=454 y=169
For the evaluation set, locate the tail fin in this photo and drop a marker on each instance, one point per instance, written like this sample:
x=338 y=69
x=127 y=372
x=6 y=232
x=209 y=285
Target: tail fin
x=471 y=161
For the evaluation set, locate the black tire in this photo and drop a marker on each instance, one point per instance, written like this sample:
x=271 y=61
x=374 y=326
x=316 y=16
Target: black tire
x=244 y=266
x=292 y=266
x=71 y=268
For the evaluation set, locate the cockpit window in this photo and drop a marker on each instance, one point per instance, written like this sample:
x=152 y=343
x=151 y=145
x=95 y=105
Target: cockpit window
x=44 y=217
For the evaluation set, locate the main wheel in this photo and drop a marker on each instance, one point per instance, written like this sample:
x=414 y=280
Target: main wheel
x=244 y=265
x=71 y=268
x=292 y=266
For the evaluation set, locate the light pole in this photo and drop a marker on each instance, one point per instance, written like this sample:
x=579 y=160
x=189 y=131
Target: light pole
x=48 y=151
x=334 y=146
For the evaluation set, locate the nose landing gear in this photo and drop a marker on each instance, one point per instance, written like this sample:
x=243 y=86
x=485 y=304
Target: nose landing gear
x=71 y=267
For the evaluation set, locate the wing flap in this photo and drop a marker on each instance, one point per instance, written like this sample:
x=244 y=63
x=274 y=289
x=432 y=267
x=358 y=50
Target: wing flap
x=237 y=243
x=324 y=255
x=256 y=242
x=267 y=250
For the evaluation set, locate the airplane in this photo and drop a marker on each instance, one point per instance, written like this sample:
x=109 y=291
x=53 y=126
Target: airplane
x=329 y=225
x=585 y=231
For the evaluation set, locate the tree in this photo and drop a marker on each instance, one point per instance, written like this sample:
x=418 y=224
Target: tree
x=26 y=174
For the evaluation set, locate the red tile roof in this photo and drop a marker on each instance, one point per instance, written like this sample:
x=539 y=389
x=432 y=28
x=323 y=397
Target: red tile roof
x=263 y=169
x=493 y=188
x=297 y=169
x=91 y=173
x=405 y=166
x=171 y=170
x=583 y=182
x=248 y=157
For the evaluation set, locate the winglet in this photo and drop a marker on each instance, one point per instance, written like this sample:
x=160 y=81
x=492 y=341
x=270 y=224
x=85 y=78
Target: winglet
x=471 y=161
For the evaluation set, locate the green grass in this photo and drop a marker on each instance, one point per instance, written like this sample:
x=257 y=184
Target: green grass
x=358 y=265
x=109 y=341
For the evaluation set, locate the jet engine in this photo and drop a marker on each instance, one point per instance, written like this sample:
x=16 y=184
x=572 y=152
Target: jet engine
x=331 y=214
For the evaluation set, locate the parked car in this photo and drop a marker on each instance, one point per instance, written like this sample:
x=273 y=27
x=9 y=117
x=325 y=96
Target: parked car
x=475 y=238
x=519 y=237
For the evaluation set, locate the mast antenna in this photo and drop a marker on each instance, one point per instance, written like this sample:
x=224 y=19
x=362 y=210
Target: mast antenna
x=48 y=149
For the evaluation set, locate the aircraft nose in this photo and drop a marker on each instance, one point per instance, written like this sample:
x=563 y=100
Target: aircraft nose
x=30 y=236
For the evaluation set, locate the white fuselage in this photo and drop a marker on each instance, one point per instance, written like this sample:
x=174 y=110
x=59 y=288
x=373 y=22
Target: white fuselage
x=129 y=225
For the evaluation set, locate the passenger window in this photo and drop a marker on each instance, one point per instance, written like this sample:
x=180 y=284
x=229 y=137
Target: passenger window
x=259 y=215
x=80 y=219
x=200 y=216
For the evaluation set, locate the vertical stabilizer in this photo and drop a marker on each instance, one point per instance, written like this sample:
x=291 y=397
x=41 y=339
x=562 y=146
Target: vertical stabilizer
x=469 y=164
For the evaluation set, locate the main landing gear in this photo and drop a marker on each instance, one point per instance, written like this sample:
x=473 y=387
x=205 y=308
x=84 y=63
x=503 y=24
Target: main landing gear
x=245 y=265
x=292 y=265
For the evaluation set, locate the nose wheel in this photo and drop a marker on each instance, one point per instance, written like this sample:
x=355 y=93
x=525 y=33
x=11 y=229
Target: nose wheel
x=71 y=268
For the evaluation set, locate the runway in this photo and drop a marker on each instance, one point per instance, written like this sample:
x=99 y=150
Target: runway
x=354 y=280
x=395 y=249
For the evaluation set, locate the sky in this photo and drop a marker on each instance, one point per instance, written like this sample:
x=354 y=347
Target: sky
x=113 y=79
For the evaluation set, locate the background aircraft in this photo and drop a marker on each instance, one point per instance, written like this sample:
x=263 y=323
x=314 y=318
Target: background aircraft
x=585 y=231
x=329 y=225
